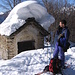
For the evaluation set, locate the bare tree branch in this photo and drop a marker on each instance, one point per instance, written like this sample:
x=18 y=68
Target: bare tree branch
x=4 y=7
x=9 y=4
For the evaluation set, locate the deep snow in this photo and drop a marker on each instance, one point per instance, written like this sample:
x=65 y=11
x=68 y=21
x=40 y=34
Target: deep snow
x=34 y=61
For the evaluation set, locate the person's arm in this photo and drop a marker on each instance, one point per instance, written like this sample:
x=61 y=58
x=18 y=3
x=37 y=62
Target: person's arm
x=66 y=34
x=59 y=30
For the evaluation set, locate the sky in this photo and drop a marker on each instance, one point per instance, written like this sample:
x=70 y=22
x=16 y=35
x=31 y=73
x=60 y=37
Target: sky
x=71 y=1
x=1 y=10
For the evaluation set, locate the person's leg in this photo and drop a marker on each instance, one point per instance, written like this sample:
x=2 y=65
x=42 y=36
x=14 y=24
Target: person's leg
x=62 y=56
x=56 y=51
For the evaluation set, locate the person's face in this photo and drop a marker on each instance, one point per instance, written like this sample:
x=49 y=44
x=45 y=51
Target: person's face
x=60 y=24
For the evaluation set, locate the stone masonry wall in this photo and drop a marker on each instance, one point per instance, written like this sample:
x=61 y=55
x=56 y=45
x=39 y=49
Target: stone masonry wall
x=3 y=47
x=9 y=45
x=28 y=33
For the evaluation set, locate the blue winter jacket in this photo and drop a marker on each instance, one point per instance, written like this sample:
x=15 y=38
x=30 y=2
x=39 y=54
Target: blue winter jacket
x=66 y=33
x=58 y=32
x=64 y=39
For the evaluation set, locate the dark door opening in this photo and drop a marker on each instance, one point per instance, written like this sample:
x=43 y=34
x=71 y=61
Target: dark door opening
x=26 y=45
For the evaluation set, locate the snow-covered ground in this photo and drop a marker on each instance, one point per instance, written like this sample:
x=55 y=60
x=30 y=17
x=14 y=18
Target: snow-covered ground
x=34 y=61
x=1 y=13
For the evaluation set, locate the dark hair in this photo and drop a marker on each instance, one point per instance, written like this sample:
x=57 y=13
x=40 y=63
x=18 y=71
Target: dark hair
x=63 y=22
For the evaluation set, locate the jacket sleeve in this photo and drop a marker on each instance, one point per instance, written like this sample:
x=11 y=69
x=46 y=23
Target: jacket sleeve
x=66 y=34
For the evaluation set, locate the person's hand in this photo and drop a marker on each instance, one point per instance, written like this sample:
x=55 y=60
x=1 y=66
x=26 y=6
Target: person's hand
x=60 y=36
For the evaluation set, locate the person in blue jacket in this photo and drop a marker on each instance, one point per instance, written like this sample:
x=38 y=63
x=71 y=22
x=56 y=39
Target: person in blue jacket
x=61 y=43
x=58 y=32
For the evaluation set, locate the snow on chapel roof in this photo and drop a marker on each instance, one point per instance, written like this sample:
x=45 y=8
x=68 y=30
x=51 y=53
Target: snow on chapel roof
x=21 y=12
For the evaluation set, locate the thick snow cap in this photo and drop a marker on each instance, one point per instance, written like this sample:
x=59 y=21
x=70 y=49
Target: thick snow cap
x=21 y=12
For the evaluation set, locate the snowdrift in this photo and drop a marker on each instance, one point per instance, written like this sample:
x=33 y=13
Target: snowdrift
x=34 y=61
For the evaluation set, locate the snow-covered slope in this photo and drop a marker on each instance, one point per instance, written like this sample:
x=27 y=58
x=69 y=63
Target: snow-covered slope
x=1 y=13
x=68 y=10
x=34 y=61
x=21 y=12
x=3 y=16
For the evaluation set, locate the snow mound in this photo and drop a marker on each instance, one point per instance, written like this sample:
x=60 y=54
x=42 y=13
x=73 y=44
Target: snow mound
x=21 y=12
x=34 y=61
